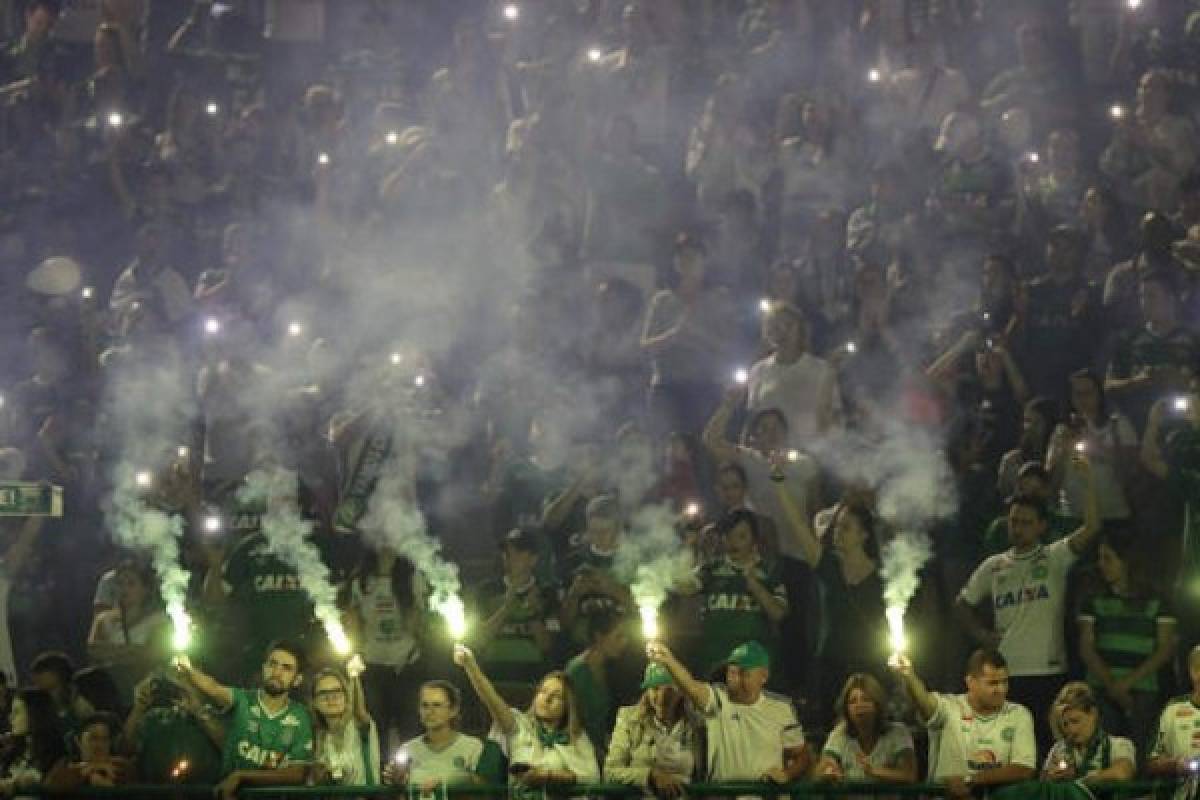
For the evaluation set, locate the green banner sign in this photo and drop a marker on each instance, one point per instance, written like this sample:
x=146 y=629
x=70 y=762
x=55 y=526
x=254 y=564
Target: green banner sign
x=22 y=499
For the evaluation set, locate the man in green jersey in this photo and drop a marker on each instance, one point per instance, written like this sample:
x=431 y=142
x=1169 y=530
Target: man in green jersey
x=268 y=738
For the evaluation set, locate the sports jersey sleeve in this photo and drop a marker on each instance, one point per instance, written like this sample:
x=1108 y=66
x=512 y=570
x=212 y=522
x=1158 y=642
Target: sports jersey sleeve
x=900 y=743
x=791 y=734
x=1123 y=750
x=1024 y=746
x=943 y=710
x=835 y=745
x=1061 y=555
x=1163 y=746
x=979 y=586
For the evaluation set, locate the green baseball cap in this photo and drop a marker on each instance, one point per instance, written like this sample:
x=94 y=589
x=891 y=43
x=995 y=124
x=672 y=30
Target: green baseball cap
x=656 y=675
x=749 y=655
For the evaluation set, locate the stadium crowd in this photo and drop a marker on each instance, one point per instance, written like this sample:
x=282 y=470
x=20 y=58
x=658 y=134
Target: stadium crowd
x=842 y=296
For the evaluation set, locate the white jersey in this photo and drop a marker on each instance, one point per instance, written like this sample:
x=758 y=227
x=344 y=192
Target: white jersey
x=456 y=763
x=845 y=750
x=963 y=742
x=745 y=741
x=1178 y=730
x=1028 y=596
x=387 y=637
x=524 y=746
x=1086 y=760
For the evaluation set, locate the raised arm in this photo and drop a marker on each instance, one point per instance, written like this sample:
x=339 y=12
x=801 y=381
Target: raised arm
x=218 y=694
x=501 y=714
x=698 y=692
x=1081 y=539
x=924 y=700
x=715 y=436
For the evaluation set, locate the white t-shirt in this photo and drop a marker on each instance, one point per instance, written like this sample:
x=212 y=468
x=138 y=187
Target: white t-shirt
x=1028 y=595
x=351 y=760
x=799 y=390
x=1104 y=447
x=387 y=637
x=963 y=742
x=1178 y=730
x=1119 y=749
x=747 y=741
x=109 y=629
x=800 y=481
x=455 y=763
x=845 y=750
x=523 y=746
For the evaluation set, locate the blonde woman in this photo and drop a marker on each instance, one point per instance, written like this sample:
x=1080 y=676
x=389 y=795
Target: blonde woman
x=864 y=746
x=656 y=744
x=546 y=744
x=347 y=741
x=1083 y=750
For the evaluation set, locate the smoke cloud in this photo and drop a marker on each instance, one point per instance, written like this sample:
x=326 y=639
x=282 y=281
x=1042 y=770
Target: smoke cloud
x=651 y=557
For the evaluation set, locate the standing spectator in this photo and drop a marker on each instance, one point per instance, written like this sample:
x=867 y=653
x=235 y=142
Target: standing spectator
x=546 y=745
x=590 y=676
x=752 y=735
x=978 y=738
x=1126 y=637
x=1039 y=418
x=130 y=637
x=346 y=739
x=792 y=379
x=387 y=609
x=443 y=755
x=1026 y=587
x=20 y=59
x=172 y=735
x=865 y=745
x=656 y=744
x=269 y=737
x=594 y=585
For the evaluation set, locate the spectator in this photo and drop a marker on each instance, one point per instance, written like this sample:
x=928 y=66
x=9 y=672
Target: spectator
x=172 y=735
x=656 y=743
x=269 y=737
x=1084 y=751
x=1174 y=749
x=345 y=737
x=1038 y=421
x=36 y=749
x=594 y=586
x=1027 y=587
x=590 y=676
x=751 y=734
x=98 y=764
x=546 y=745
x=792 y=379
x=443 y=755
x=21 y=58
x=865 y=746
x=978 y=738
x=130 y=637
x=1032 y=481
x=1126 y=637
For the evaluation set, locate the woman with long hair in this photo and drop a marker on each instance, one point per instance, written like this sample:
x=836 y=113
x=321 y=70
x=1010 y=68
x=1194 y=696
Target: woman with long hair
x=346 y=739
x=1111 y=444
x=1126 y=635
x=386 y=615
x=36 y=746
x=864 y=745
x=546 y=744
x=656 y=743
x=129 y=638
x=1038 y=420
x=1084 y=752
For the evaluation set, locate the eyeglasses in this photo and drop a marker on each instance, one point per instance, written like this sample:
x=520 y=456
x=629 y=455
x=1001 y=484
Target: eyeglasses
x=329 y=694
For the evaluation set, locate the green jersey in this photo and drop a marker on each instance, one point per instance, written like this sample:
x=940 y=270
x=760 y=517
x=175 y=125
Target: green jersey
x=513 y=654
x=266 y=595
x=730 y=614
x=257 y=739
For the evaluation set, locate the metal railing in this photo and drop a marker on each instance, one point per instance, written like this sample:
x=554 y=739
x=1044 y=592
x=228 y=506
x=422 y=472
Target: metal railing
x=1157 y=789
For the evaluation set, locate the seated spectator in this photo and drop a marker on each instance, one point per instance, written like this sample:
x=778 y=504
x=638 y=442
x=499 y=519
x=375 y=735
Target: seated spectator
x=590 y=676
x=977 y=738
x=1084 y=752
x=864 y=745
x=52 y=672
x=546 y=744
x=98 y=764
x=1176 y=748
x=269 y=740
x=442 y=755
x=36 y=748
x=753 y=735
x=656 y=743
x=346 y=739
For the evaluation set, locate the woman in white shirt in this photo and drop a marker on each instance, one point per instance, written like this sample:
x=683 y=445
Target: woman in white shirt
x=347 y=741
x=1083 y=751
x=864 y=746
x=130 y=637
x=546 y=744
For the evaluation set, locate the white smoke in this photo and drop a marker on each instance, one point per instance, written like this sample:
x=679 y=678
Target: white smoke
x=651 y=558
x=287 y=534
x=394 y=521
x=154 y=533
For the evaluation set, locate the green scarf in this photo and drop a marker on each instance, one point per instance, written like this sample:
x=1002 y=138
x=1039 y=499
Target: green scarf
x=548 y=737
x=1099 y=743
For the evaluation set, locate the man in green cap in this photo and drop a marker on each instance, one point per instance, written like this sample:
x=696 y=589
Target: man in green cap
x=753 y=734
x=656 y=743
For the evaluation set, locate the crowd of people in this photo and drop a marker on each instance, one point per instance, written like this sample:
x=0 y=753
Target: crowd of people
x=854 y=305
